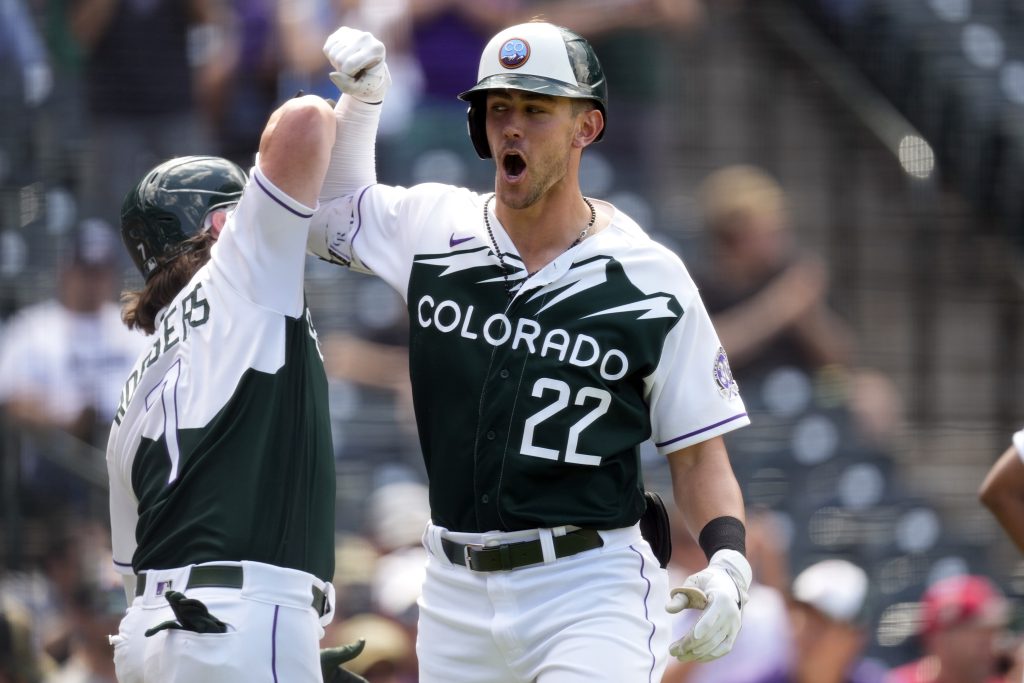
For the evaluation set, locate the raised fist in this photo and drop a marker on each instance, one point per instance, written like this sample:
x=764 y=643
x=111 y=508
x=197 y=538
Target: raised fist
x=359 y=66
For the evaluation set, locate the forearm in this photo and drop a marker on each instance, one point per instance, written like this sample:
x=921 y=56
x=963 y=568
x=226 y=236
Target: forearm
x=353 y=156
x=825 y=337
x=704 y=485
x=361 y=74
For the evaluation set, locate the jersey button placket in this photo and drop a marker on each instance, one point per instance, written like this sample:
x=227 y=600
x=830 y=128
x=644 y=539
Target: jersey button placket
x=504 y=374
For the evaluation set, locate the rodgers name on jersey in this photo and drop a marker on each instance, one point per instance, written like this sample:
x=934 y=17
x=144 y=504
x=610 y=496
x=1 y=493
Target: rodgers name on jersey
x=177 y=321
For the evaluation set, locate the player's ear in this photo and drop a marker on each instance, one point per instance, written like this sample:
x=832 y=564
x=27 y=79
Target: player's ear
x=589 y=124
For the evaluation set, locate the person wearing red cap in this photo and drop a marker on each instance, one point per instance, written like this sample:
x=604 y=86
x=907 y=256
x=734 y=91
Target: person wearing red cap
x=961 y=618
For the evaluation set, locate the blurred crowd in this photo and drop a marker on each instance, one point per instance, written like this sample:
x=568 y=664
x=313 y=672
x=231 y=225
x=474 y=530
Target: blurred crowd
x=103 y=89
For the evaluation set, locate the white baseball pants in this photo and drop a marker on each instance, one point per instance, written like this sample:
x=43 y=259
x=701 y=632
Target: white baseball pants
x=273 y=631
x=594 y=617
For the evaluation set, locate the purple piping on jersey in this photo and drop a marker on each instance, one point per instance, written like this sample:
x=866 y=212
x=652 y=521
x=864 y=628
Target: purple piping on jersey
x=701 y=430
x=647 y=615
x=273 y=644
x=272 y=196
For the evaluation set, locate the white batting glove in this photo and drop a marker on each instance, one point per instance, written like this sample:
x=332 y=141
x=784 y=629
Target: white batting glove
x=725 y=583
x=359 y=66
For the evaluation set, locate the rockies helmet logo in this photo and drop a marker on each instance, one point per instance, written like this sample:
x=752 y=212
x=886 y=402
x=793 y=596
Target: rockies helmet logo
x=514 y=53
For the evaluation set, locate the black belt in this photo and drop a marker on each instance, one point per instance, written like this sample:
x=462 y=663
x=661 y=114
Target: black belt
x=514 y=555
x=226 y=576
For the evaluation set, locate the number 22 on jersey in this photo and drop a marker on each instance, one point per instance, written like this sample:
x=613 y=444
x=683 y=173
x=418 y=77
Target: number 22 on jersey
x=563 y=393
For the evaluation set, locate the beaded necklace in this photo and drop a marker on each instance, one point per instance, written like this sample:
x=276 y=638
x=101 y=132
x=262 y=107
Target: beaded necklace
x=501 y=256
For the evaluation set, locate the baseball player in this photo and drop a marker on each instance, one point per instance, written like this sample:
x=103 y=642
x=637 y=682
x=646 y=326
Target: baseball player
x=550 y=337
x=220 y=456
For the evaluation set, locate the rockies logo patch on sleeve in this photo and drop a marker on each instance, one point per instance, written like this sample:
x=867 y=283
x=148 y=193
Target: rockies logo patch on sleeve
x=727 y=385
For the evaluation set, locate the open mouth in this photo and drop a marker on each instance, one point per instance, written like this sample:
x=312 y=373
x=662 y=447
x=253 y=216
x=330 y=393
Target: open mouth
x=513 y=164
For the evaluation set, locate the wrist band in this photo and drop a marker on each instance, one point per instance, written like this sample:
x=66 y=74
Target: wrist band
x=723 y=532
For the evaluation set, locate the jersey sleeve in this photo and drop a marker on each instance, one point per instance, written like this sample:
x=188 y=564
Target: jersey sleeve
x=692 y=394
x=379 y=228
x=261 y=252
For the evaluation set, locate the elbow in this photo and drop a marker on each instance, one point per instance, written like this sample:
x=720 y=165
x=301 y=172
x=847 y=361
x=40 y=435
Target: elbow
x=304 y=126
x=308 y=123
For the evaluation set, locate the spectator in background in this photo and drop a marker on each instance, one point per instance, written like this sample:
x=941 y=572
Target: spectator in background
x=768 y=297
x=63 y=361
x=46 y=589
x=962 y=618
x=97 y=608
x=152 y=70
x=22 y=48
x=240 y=108
x=828 y=617
x=399 y=511
x=1002 y=492
x=305 y=24
x=18 y=660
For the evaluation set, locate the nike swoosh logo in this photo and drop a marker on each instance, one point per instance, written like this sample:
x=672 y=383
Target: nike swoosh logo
x=452 y=242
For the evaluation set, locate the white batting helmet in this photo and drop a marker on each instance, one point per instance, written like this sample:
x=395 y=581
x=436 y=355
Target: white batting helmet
x=536 y=57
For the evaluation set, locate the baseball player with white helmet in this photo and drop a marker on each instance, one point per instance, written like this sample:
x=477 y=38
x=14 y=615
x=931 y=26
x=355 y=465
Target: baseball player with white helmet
x=222 y=481
x=550 y=337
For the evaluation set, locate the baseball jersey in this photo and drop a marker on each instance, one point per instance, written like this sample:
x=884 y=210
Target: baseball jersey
x=531 y=408
x=221 y=447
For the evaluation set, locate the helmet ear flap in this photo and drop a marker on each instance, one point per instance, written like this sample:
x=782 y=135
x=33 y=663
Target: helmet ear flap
x=478 y=129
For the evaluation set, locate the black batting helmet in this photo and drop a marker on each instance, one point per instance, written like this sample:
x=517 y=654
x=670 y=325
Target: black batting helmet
x=170 y=203
x=536 y=57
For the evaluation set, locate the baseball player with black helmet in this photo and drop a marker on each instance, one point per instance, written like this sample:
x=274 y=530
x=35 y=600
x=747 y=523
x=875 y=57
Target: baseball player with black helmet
x=550 y=337
x=220 y=457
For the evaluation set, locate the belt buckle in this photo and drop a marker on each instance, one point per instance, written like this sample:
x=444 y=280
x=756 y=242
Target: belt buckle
x=467 y=550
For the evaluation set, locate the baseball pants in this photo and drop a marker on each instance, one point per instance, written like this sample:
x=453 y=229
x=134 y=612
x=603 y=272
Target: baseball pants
x=273 y=630
x=597 y=616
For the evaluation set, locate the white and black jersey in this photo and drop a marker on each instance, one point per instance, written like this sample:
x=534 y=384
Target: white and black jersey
x=221 y=448
x=534 y=393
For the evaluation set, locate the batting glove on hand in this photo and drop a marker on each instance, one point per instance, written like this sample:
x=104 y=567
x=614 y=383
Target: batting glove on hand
x=725 y=582
x=359 y=66
x=332 y=658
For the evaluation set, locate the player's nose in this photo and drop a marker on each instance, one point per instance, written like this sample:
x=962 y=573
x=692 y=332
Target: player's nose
x=512 y=127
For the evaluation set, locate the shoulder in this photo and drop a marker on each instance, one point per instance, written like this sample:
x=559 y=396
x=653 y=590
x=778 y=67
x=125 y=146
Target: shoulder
x=650 y=264
x=423 y=196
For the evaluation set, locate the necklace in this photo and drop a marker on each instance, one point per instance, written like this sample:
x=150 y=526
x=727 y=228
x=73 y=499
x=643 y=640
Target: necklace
x=501 y=256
